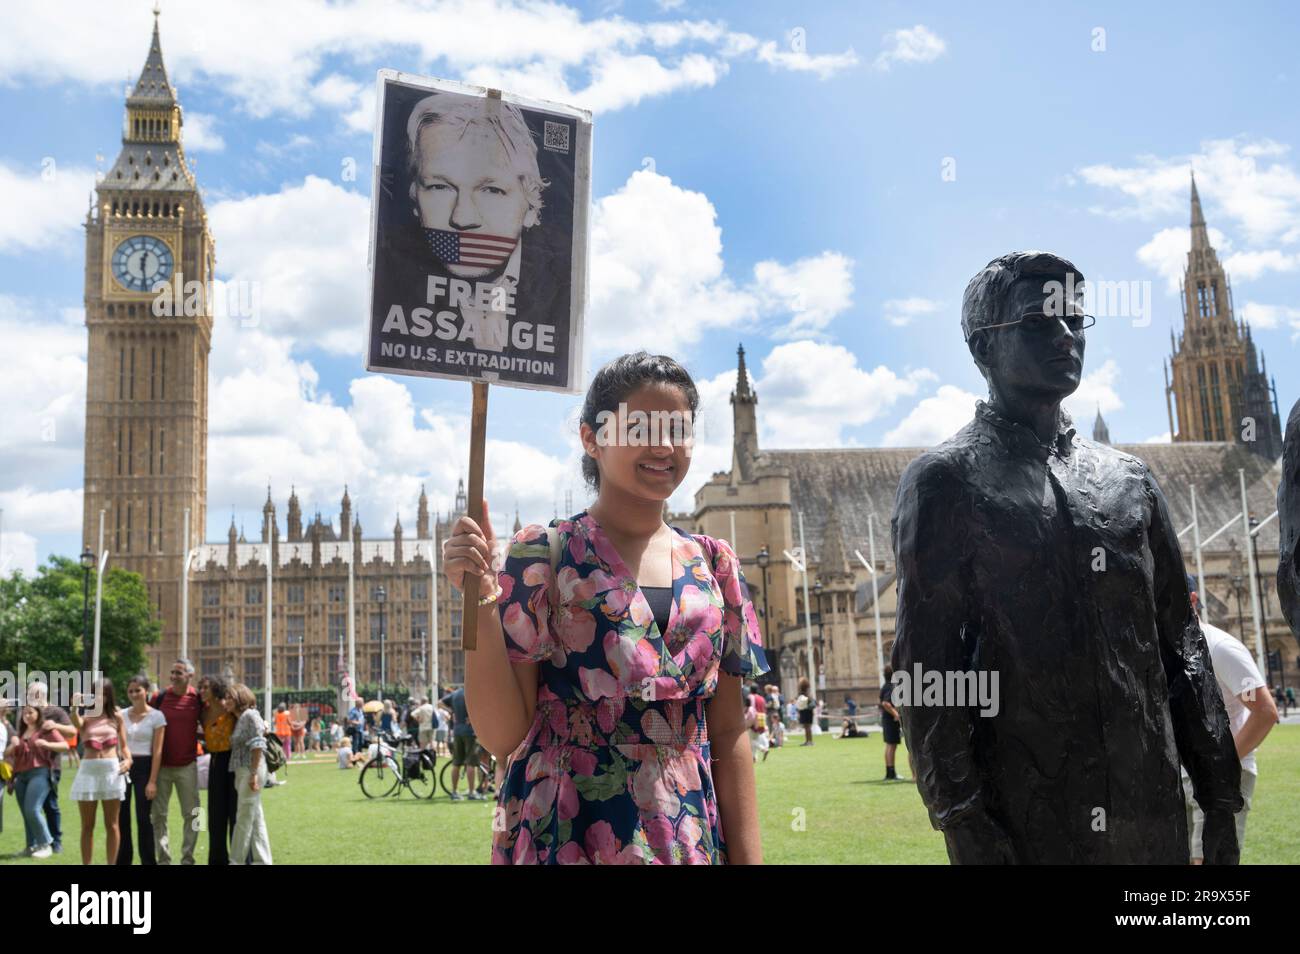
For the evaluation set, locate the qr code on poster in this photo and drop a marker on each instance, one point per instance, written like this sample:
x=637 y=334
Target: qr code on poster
x=556 y=136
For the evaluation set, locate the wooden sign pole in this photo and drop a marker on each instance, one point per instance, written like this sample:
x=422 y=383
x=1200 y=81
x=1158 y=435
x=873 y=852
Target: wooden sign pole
x=477 y=444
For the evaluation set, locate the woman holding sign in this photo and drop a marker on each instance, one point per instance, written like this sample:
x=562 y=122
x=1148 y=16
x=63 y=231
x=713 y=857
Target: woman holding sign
x=612 y=653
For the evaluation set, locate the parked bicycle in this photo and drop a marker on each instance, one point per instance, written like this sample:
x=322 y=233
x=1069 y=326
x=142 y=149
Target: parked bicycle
x=487 y=767
x=395 y=763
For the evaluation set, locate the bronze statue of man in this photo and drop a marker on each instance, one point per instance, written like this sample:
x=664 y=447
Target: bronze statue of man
x=1028 y=551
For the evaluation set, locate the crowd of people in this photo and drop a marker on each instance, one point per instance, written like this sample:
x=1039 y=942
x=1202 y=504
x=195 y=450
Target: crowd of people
x=133 y=759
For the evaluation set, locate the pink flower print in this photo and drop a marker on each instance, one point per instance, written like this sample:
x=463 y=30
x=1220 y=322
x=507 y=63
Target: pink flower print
x=700 y=652
x=652 y=790
x=677 y=844
x=619 y=599
x=597 y=683
x=519 y=626
x=571 y=853
x=630 y=659
x=525 y=852
x=603 y=848
x=698 y=610
x=585 y=588
x=507 y=584
x=608 y=711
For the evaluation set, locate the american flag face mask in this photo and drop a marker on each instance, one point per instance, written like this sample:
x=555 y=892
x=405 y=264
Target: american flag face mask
x=474 y=249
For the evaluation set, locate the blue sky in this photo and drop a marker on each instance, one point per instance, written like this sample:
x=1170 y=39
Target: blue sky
x=818 y=184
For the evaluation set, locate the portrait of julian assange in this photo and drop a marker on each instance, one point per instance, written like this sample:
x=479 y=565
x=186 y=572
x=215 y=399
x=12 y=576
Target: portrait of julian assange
x=474 y=237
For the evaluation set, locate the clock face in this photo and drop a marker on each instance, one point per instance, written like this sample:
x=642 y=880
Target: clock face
x=141 y=261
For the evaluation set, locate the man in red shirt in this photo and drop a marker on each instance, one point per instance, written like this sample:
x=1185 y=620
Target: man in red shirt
x=177 y=768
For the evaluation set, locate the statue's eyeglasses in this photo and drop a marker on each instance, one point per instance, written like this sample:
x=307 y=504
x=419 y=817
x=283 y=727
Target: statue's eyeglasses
x=1038 y=322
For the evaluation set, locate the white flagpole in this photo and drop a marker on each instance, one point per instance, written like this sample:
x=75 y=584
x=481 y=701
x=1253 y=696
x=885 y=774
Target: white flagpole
x=807 y=614
x=1200 y=570
x=1255 y=611
x=99 y=599
x=433 y=619
x=875 y=599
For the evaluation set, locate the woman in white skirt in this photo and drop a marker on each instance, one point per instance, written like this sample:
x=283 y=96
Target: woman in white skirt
x=101 y=776
x=247 y=743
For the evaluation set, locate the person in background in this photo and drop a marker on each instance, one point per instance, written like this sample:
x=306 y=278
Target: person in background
x=442 y=729
x=4 y=744
x=54 y=717
x=805 y=705
x=388 y=719
x=775 y=713
x=31 y=749
x=1252 y=713
x=356 y=725
x=299 y=727
x=144 y=740
x=890 y=726
x=178 y=770
x=218 y=724
x=247 y=745
x=343 y=753
x=423 y=714
x=101 y=775
x=757 y=723
x=284 y=732
x=464 y=746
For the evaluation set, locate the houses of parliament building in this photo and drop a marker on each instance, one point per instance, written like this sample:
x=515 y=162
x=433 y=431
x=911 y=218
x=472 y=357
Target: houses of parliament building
x=146 y=471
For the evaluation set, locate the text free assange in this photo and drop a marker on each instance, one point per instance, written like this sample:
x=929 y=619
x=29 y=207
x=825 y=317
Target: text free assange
x=497 y=301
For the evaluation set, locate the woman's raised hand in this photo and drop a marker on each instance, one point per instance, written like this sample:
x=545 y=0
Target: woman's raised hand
x=469 y=549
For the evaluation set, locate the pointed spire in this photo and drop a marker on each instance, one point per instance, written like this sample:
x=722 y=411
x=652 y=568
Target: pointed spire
x=1100 y=432
x=153 y=88
x=833 y=559
x=742 y=375
x=1200 y=235
x=518 y=526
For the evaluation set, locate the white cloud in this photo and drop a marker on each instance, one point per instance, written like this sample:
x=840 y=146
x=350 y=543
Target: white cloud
x=915 y=45
x=1096 y=390
x=1166 y=253
x=901 y=311
x=18 y=552
x=1249 y=184
x=200 y=134
x=812 y=391
x=934 y=419
x=1245 y=266
x=658 y=276
x=814 y=290
x=42 y=391
x=825 y=65
x=1159 y=439
x=1260 y=315
x=45 y=205
x=270 y=420
x=302 y=252
x=285 y=58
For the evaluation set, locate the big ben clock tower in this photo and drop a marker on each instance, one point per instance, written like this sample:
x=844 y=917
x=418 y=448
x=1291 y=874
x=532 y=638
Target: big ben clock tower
x=147 y=357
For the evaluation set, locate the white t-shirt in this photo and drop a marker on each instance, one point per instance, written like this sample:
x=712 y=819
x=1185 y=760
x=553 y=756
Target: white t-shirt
x=1236 y=673
x=139 y=735
x=424 y=715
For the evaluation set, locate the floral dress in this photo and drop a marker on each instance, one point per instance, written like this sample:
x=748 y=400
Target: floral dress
x=615 y=767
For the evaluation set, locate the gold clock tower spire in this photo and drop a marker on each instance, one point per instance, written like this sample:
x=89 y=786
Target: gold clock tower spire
x=149 y=259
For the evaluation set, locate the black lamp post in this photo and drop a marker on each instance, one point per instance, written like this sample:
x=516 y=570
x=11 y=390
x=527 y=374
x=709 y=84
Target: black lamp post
x=87 y=563
x=380 y=597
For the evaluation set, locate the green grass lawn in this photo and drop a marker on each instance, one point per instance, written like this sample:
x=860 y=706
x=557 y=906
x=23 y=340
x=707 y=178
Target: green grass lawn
x=820 y=805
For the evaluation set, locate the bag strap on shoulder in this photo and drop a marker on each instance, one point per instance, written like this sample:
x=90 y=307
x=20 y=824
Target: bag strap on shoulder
x=553 y=544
